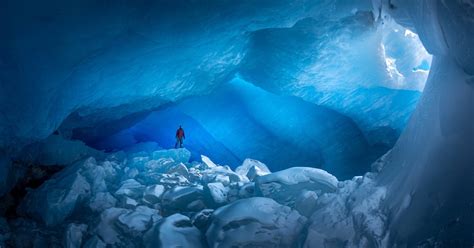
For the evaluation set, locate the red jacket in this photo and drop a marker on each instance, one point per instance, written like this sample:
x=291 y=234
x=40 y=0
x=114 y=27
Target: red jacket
x=180 y=133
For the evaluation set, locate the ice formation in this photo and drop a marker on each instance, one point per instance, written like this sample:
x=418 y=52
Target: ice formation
x=100 y=203
x=245 y=77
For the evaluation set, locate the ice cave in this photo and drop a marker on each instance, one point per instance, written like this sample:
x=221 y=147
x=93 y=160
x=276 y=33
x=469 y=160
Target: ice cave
x=305 y=123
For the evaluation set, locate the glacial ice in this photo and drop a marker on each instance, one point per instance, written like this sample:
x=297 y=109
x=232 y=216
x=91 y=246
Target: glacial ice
x=287 y=185
x=256 y=222
x=83 y=72
x=301 y=206
x=252 y=168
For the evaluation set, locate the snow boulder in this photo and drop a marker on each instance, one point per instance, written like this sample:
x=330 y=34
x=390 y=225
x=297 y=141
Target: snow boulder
x=252 y=168
x=57 y=198
x=173 y=231
x=286 y=185
x=255 y=222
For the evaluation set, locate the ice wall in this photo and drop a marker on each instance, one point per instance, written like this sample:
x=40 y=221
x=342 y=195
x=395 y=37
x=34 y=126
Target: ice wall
x=370 y=70
x=104 y=60
x=429 y=172
x=240 y=120
x=124 y=58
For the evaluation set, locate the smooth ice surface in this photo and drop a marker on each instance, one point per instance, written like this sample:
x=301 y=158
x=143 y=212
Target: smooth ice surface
x=280 y=131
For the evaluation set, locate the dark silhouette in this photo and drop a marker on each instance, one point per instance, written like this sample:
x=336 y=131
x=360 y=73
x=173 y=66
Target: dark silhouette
x=180 y=136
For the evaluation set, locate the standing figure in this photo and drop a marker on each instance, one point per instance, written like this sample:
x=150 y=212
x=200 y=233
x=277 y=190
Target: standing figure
x=179 y=137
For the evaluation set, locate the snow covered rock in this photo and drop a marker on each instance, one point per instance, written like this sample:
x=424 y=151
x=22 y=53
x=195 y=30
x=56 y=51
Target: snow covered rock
x=252 y=168
x=58 y=197
x=74 y=234
x=153 y=193
x=286 y=185
x=181 y=155
x=255 y=222
x=174 y=231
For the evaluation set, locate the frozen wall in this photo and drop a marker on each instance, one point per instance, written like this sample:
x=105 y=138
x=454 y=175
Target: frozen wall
x=371 y=71
x=429 y=172
x=240 y=121
x=109 y=59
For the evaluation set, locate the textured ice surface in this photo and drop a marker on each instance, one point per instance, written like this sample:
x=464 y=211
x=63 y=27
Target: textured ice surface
x=55 y=150
x=252 y=168
x=285 y=186
x=55 y=200
x=174 y=231
x=256 y=222
x=76 y=61
x=280 y=131
x=119 y=61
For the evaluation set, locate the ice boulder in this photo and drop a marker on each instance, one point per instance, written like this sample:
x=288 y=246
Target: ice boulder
x=218 y=173
x=252 y=168
x=174 y=231
x=101 y=201
x=107 y=228
x=183 y=198
x=74 y=234
x=286 y=185
x=217 y=193
x=352 y=217
x=130 y=188
x=207 y=161
x=179 y=169
x=255 y=222
x=58 y=197
x=181 y=155
x=202 y=220
x=138 y=221
x=153 y=193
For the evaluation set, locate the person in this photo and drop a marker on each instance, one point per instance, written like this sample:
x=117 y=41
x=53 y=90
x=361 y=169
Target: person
x=180 y=136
